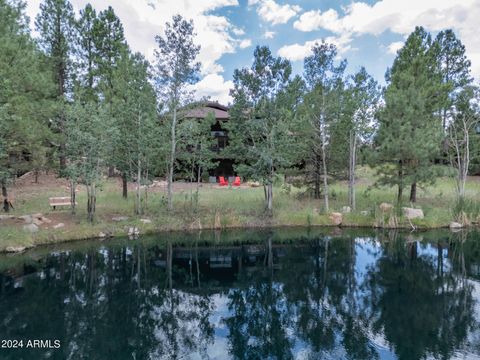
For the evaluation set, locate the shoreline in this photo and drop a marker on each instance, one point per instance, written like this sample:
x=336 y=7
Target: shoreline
x=121 y=230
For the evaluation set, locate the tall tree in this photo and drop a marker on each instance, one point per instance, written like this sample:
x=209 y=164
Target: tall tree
x=109 y=43
x=87 y=50
x=26 y=87
x=134 y=107
x=56 y=26
x=176 y=68
x=409 y=131
x=466 y=116
x=88 y=132
x=455 y=70
x=325 y=85
x=362 y=100
x=263 y=135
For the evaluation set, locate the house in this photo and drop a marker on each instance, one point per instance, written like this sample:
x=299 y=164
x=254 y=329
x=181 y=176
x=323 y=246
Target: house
x=224 y=165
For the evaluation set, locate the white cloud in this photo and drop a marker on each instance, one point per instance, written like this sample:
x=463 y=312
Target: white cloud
x=394 y=47
x=401 y=17
x=143 y=19
x=272 y=12
x=215 y=86
x=245 y=43
x=296 y=52
x=269 y=34
x=237 y=31
x=315 y=19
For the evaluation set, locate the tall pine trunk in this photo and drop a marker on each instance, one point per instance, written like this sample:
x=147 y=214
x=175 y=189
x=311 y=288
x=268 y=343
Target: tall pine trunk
x=317 y=178
x=400 y=182
x=124 y=186
x=73 y=196
x=6 y=202
x=172 y=161
x=413 y=192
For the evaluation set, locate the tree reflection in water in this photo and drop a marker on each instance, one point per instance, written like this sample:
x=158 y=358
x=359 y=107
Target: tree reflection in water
x=339 y=295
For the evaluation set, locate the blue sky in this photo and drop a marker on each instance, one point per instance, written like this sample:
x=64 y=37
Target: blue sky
x=367 y=33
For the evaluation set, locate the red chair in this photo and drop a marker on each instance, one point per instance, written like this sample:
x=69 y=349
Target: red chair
x=237 y=181
x=222 y=181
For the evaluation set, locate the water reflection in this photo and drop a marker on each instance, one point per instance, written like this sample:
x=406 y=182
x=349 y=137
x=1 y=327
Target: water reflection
x=311 y=296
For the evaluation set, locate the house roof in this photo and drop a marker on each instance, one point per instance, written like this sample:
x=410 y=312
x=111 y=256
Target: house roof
x=203 y=109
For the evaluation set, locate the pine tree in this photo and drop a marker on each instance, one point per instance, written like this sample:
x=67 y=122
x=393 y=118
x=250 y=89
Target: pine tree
x=261 y=121
x=26 y=87
x=87 y=51
x=56 y=25
x=409 y=131
x=175 y=70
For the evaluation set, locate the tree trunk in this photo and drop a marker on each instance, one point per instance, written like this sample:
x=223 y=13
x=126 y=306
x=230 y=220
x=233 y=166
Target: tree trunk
x=351 y=170
x=268 y=189
x=317 y=174
x=91 y=202
x=138 y=209
x=172 y=162
x=400 y=183
x=413 y=192
x=124 y=186
x=6 y=202
x=325 y=180
x=73 y=185
x=111 y=171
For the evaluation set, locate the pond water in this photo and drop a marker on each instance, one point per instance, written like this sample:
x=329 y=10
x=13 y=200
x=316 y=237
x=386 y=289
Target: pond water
x=270 y=294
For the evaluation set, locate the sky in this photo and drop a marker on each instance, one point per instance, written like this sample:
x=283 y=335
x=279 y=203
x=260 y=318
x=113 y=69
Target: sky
x=367 y=33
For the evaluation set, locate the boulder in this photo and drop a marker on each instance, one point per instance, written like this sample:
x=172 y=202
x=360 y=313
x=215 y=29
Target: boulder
x=133 y=231
x=455 y=225
x=59 y=225
x=336 y=218
x=6 y=217
x=146 y=221
x=346 y=209
x=412 y=213
x=28 y=219
x=15 y=249
x=364 y=213
x=102 y=235
x=37 y=221
x=385 y=207
x=45 y=220
x=31 y=228
x=120 y=218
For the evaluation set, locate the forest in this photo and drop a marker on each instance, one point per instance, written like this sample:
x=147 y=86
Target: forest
x=78 y=102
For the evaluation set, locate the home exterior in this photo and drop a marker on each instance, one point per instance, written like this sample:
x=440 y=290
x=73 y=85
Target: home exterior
x=224 y=165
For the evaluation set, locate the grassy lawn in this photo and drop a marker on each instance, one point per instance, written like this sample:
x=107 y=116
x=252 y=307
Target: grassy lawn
x=220 y=207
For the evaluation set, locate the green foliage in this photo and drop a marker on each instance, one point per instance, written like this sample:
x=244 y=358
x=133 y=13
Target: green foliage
x=25 y=88
x=263 y=135
x=409 y=132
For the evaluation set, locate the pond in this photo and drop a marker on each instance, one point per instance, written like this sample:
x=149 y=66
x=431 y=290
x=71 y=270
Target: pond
x=269 y=294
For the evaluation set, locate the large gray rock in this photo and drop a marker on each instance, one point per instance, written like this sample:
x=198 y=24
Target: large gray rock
x=28 y=219
x=15 y=249
x=58 y=226
x=146 y=221
x=385 y=207
x=31 y=228
x=455 y=225
x=336 y=218
x=412 y=213
x=6 y=217
x=120 y=218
